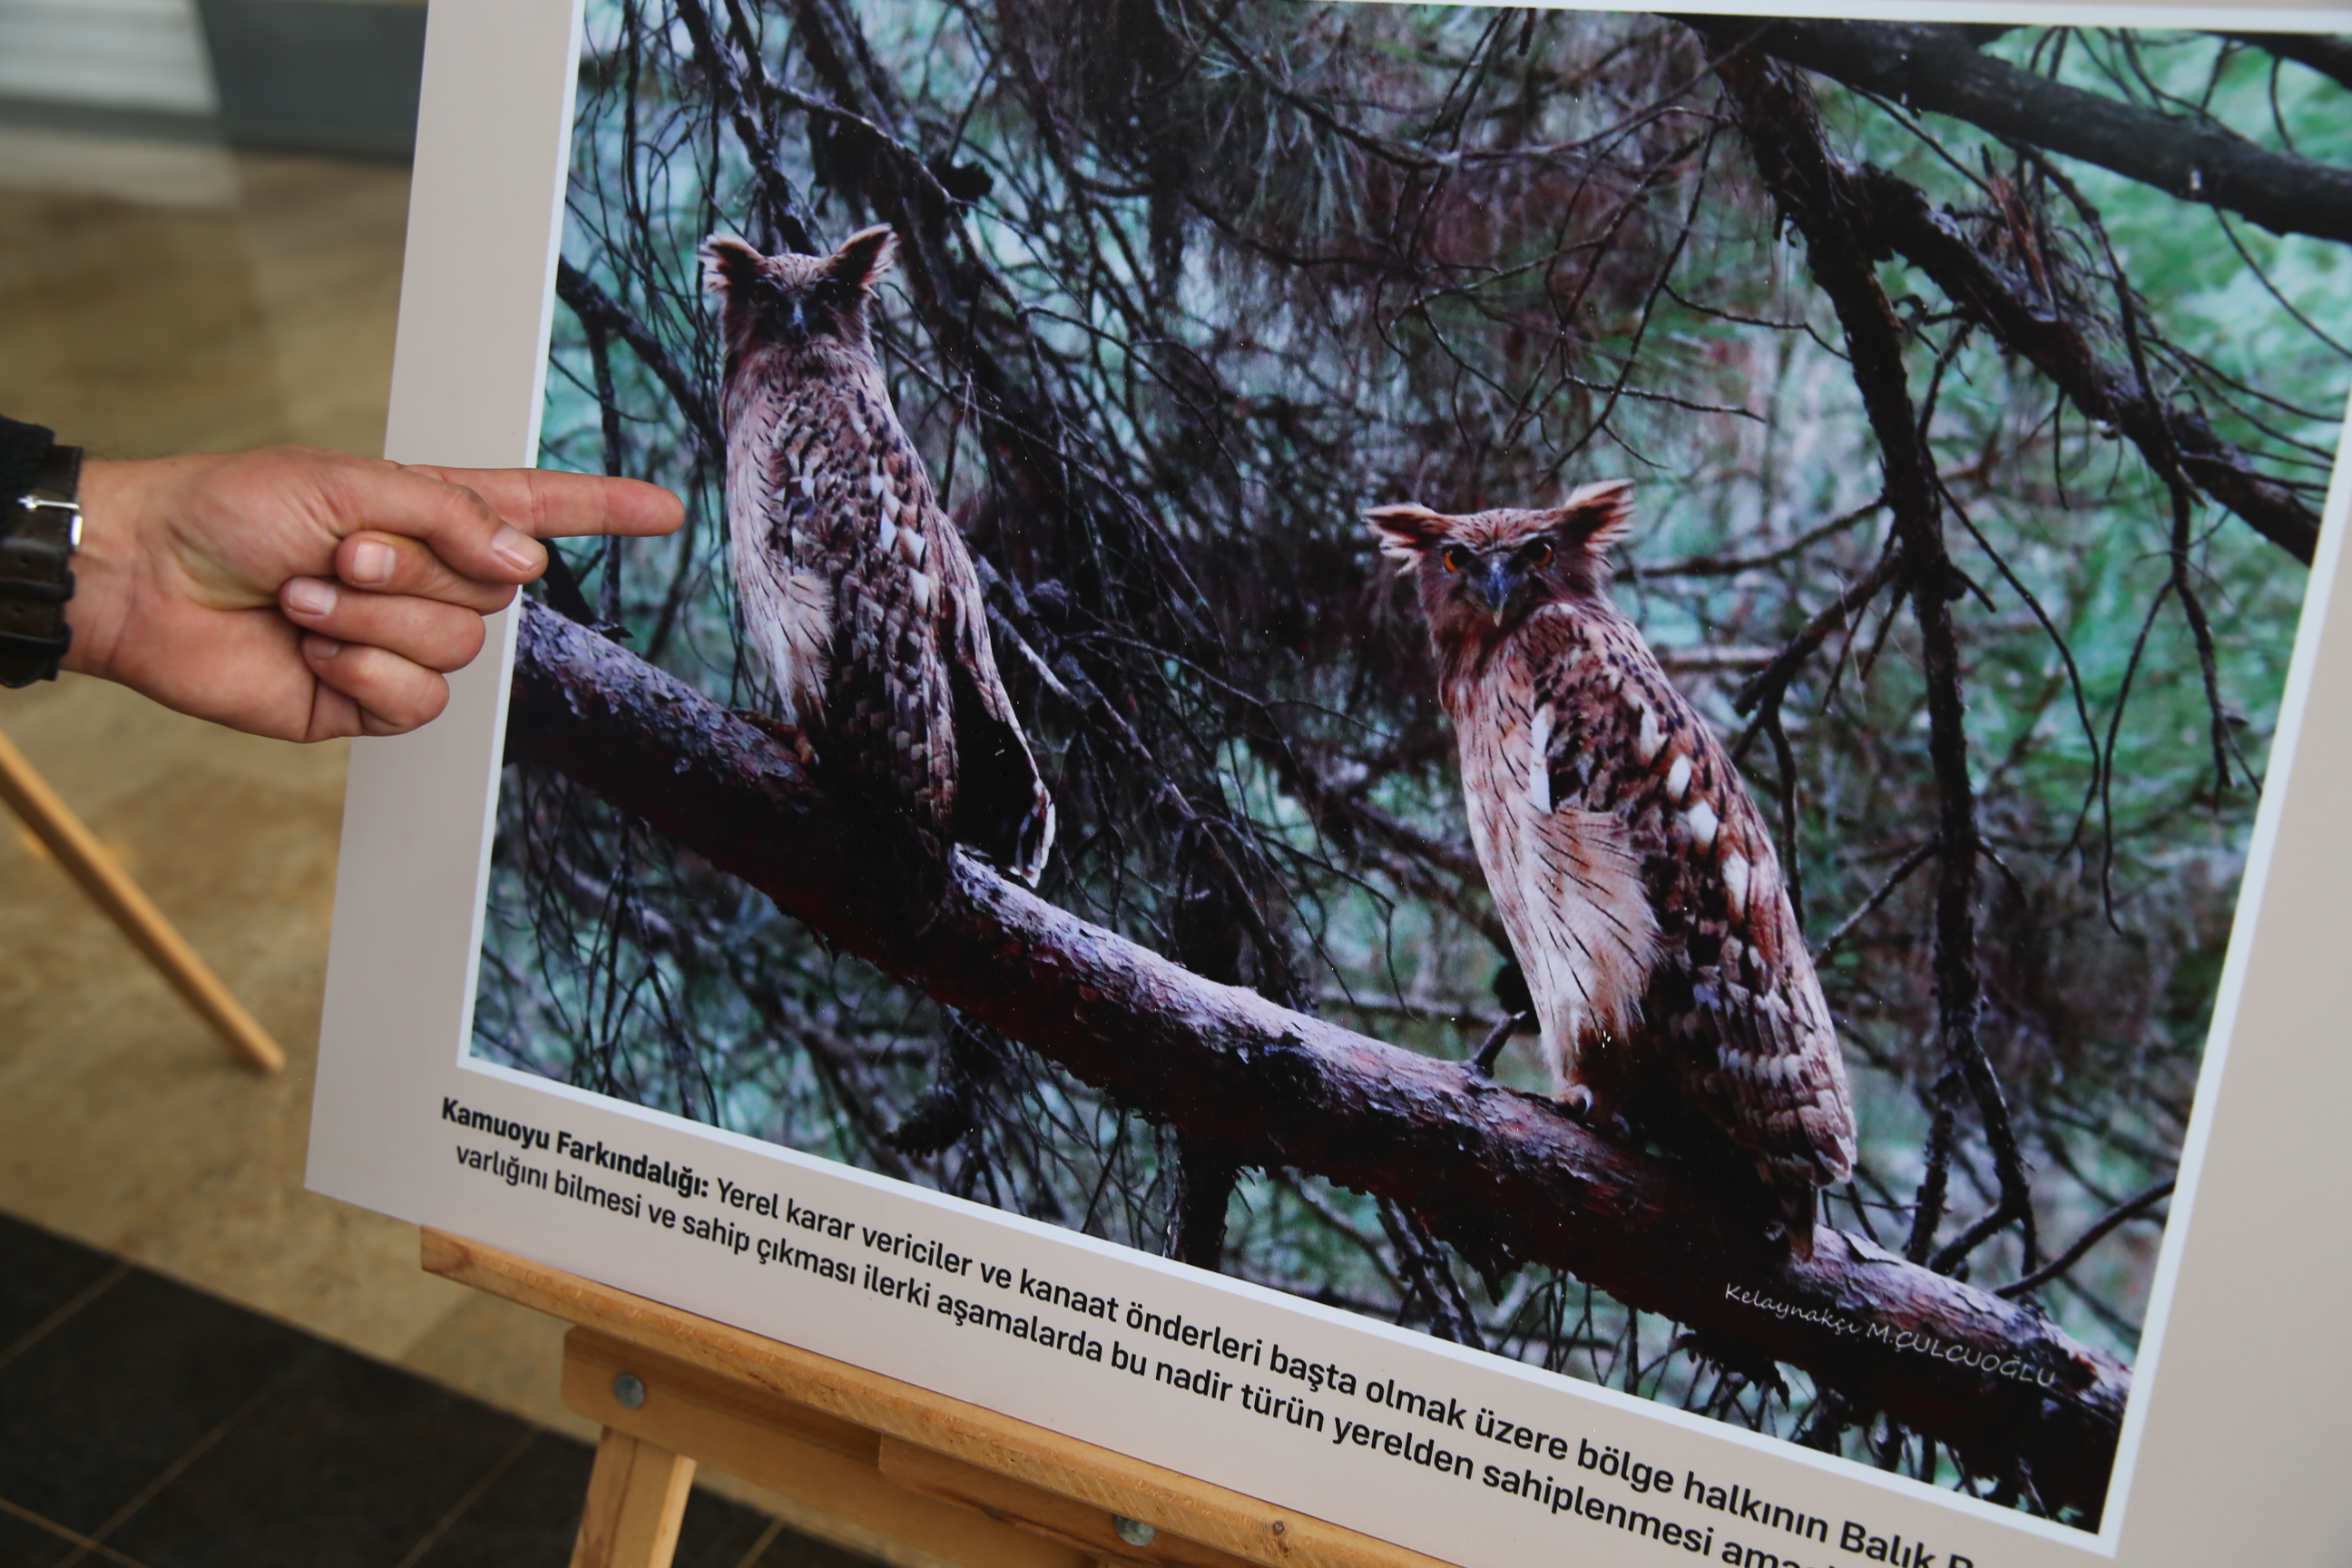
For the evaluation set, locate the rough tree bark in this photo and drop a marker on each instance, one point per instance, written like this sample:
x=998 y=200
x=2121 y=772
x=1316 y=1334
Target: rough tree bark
x=1494 y=1171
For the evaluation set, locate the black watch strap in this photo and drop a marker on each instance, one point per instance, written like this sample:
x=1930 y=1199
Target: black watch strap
x=39 y=531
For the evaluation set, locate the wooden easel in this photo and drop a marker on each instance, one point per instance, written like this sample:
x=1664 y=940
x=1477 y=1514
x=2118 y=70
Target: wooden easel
x=77 y=849
x=980 y=1490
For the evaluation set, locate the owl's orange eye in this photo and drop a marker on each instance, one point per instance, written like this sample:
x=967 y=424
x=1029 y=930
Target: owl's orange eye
x=1453 y=558
x=1541 y=555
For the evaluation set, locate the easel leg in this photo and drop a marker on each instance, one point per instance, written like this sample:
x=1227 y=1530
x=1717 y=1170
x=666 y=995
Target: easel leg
x=79 y=852
x=636 y=1500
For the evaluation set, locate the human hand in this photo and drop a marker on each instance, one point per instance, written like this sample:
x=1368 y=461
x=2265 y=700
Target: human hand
x=305 y=595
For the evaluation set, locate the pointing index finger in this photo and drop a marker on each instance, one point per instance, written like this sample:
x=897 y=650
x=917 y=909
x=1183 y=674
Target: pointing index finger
x=547 y=503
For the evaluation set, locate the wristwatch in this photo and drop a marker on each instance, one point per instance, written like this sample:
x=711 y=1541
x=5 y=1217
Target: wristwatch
x=39 y=532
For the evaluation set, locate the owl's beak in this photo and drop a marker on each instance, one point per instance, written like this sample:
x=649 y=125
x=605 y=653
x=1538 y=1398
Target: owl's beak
x=1500 y=588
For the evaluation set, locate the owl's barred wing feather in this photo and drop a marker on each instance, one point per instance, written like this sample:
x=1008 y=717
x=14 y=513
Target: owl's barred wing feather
x=890 y=709
x=1582 y=915
x=1775 y=1082
x=1005 y=810
x=1732 y=1002
x=778 y=551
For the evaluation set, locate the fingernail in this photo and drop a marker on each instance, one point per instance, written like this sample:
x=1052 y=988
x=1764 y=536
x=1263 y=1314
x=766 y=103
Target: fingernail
x=308 y=596
x=518 y=550
x=321 y=648
x=372 y=564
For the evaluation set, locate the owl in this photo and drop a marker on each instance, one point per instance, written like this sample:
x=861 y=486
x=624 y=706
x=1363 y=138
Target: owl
x=856 y=590
x=1627 y=860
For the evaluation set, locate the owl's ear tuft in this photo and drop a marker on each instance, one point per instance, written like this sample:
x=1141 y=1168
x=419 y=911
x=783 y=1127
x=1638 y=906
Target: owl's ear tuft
x=863 y=257
x=1406 y=531
x=728 y=266
x=1598 y=516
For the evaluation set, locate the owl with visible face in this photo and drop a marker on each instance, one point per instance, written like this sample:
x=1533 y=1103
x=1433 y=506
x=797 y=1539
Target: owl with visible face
x=857 y=590
x=1627 y=860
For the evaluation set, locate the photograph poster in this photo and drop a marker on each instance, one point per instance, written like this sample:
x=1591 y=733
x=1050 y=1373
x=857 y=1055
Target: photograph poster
x=1486 y=769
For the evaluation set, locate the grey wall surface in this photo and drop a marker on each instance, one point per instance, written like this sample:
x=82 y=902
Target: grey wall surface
x=331 y=76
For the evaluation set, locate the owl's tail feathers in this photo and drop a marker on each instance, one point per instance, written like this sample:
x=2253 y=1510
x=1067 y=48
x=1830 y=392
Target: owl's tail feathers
x=1034 y=842
x=922 y=857
x=1003 y=812
x=1797 y=1209
x=1017 y=839
x=1796 y=1182
x=922 y=867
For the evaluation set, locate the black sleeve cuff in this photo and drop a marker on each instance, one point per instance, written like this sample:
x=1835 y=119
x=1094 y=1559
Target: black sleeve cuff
x=39 y=526
x=22 y=447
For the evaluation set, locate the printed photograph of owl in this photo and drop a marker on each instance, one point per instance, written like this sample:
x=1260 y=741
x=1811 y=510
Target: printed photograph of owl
x=854 y=587
x=1593 y=683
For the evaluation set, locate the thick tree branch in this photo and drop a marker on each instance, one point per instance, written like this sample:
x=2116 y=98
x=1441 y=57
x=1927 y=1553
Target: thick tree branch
x=1938 y=68
x=1487 y=1169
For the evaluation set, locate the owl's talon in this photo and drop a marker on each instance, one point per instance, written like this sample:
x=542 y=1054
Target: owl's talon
x=775 y=729
x=1577 y=1101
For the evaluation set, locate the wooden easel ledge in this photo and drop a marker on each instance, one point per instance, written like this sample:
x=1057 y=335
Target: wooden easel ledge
x=951 y=1478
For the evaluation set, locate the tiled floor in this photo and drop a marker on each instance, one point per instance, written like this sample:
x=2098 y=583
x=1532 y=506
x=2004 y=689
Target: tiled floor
x=143 y=1422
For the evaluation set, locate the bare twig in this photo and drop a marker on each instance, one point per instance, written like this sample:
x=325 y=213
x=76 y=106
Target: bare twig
x=2330 y=56
x=600 y=313
x=2129 y=1208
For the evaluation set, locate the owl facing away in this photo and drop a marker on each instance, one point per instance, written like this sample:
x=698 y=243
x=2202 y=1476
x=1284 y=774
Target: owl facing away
x=1626 y=859
x=857 y=590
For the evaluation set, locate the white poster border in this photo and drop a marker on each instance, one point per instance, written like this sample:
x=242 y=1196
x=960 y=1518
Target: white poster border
x=492 y=161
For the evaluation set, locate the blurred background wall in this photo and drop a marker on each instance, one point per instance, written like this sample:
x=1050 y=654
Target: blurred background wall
x=165 y=289
x=145 y=55
x=333 y=75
